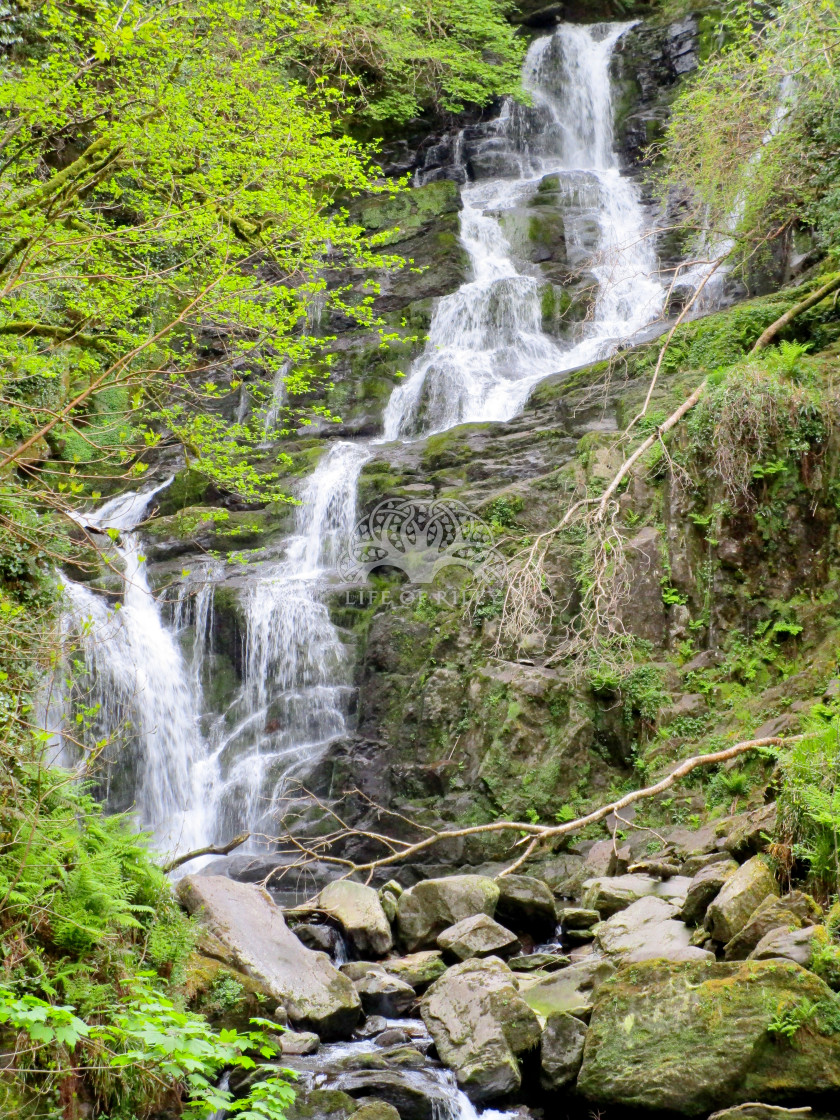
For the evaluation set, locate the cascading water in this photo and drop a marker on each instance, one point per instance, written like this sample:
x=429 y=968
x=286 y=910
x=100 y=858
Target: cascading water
x=486 y=346
x=138 y=689
x=198 y=778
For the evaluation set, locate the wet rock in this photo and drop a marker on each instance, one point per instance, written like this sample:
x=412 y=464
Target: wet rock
x=693 y=1036
x=749 y=835
x=561 y=1050
x=376 y=1110
x=417 y=969
x=299 y=1042
x=575 y=917
x=430 y=907
x=704 y=888
x=382 y=994
x=542 y=962
x=480 y=1024
x=791 y=944
x=372 y=1026
x=322 y=1104
x=572 y=989
x=393 y=1037
x=360 y=913
x=479 y=936
x=609 y=895
x=645 y=930
x=323 y=939
x=738 y=899
x=757 y=1111
x=525 y=903
x=258 y=941
x=793 y=911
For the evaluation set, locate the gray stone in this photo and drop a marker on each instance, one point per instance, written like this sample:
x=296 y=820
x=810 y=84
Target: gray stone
x=255 y=935
x=757 y=1111
x=376 y=1110
x=299 y=1042
x=538 y=962
x=609 y=895
x=647 y=930
x=361 y=915
x=575 y=917
x=526 y=904
x=792 y=911
x=480 y=1024
x=697 y=862
x=561 y=1050
x=704 y=888
x=382 y=994
x=572 y=989
x=747 y=836
x=791 y=944
x=479 y=936
x=417 y=969
x=738 y=899
x=430 y=907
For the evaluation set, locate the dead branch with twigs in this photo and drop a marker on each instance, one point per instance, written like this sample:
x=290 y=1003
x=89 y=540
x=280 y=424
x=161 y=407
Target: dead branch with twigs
x=528 y=838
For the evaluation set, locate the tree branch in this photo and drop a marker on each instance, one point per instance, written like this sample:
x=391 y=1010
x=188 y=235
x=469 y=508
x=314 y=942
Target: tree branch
x=767 y=336
x=210 y=850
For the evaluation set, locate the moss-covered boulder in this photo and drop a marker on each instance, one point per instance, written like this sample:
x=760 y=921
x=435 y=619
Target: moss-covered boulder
x=430 y=907
x=693 y=1036
x=360 y=913
x=751 y=884
x=418 y=969
x=480 y=1024
x=793 y=911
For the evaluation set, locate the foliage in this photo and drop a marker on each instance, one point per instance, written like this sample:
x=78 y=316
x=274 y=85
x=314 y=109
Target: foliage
x=147 y=1042
x=401 y=59
x=754 y=136
x=809 y=804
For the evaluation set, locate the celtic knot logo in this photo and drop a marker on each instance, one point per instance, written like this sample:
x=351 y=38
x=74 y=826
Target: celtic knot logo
x=421 y=537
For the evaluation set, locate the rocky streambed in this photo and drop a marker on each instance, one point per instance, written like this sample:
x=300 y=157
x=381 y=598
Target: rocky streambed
x=681 y=986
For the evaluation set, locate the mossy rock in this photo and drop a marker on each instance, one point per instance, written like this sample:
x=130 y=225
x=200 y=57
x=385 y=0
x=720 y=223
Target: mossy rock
x=693 y=1036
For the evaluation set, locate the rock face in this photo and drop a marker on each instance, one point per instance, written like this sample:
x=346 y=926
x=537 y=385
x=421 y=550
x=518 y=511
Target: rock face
x=695 y=1036
x=430 y=907
x=479 y=936
x=360 y=912
x=561 y=1050
x=741 y=894
x=480 y=1024
x=647 y=930
x=254 y=933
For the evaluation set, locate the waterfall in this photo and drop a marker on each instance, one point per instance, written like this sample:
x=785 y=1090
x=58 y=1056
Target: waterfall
x=138 y=690
x=197 y=775
x=486 y=347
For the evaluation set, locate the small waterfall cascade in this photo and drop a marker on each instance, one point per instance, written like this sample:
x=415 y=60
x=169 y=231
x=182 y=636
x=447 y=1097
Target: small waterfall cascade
x=486 y=347
x=296 y=676
x=138 y=689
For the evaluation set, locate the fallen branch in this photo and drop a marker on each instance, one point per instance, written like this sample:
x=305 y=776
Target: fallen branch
x=767 y=336
x=209 y=850
x=532 y=836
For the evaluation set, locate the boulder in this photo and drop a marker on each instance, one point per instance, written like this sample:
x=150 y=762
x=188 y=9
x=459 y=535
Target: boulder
x=360 y=913
x=609 y=895
x=575 y=917
x=480 y=1024
x=697 y=862
x=479 y=936
x=645 y=930
x=695 y=1036
x=323 y=939
x=572 y=989
x=431 y=906
x=299 y=1042
x=748 y=834
x=561 y=1050
x=257 y=940
x=418 y=969
x=704 y=888
x=538 y=962
x=526 y=905
x=792 y=911
x=738 y=899
x=756 y=1111
x=382 y=994
x=790 y=944
x=376 y=1110
x=322 y=1104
